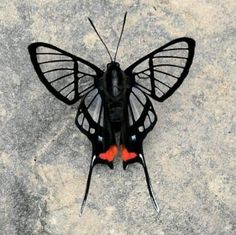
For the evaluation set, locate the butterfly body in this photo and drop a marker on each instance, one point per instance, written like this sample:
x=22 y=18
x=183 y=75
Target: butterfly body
x=114 y=100
x=114 y=87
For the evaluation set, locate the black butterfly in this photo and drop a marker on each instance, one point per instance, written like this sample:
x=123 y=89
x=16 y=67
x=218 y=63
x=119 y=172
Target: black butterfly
x=114 y=100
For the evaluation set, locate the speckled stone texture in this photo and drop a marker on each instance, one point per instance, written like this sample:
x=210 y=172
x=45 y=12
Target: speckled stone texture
x=190 y=153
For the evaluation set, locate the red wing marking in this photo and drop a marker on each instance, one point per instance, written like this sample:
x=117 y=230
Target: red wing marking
x=110 y=154
x=126 y=155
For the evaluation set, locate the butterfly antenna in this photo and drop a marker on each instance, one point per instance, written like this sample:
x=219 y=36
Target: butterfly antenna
x=122 y=30
x=91 y=22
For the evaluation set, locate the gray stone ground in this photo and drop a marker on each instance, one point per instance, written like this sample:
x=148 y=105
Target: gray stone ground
x=191 y=152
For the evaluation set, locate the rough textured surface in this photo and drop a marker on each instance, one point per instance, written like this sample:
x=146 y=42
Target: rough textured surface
x=191 y=152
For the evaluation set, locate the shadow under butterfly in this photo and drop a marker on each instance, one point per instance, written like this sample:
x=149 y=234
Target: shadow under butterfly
x=114 y=100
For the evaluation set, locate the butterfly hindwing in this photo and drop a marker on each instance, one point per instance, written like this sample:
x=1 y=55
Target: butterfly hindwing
x=90 y=114
x=68 y=77
x=93 y=121
x=139 y=120
x=142 y=116
x=161 y=72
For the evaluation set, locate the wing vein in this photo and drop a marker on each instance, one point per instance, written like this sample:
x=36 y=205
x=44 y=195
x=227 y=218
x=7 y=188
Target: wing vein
x=52 y=70
x=168 y=74
x=162 y=82
x=131 y=111
x=167 y=65
x=100 y=114
x=174 y=57
x=61 y=77
x=138 y=98
x=176 y=49
x=143 y=87
x=85 y=74
x=66 y=86
x=86 y=89
x=159 y=89
x=53 y=61
x=92 y=100
x=69 y=92
x=49 y=53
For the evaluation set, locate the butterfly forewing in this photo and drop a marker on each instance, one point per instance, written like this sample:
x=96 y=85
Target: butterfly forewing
x=161 y=72
x=68 y=77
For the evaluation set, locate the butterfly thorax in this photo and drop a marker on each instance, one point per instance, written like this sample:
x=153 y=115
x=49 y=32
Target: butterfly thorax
x=113 y=82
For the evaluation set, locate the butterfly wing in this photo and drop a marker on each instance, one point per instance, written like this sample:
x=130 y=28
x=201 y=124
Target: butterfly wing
x=71 y=78
x=93 y=120
x=157 y=75
x=161 y=72
x=66 y=76
x=139 y=120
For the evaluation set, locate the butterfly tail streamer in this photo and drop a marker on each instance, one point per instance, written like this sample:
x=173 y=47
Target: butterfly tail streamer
x=149 y=185
x=92 y=164
x=140 y=159
x=94 y=161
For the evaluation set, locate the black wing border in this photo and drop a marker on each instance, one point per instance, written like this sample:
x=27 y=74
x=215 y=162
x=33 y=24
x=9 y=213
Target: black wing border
x=33 y=55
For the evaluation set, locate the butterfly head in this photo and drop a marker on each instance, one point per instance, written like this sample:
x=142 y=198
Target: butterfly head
x=113 y=65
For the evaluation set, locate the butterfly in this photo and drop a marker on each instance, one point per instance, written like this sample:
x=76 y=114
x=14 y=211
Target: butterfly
x=115 y=101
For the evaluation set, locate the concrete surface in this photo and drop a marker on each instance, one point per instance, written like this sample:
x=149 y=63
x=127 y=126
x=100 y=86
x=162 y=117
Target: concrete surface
x=191 y=152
